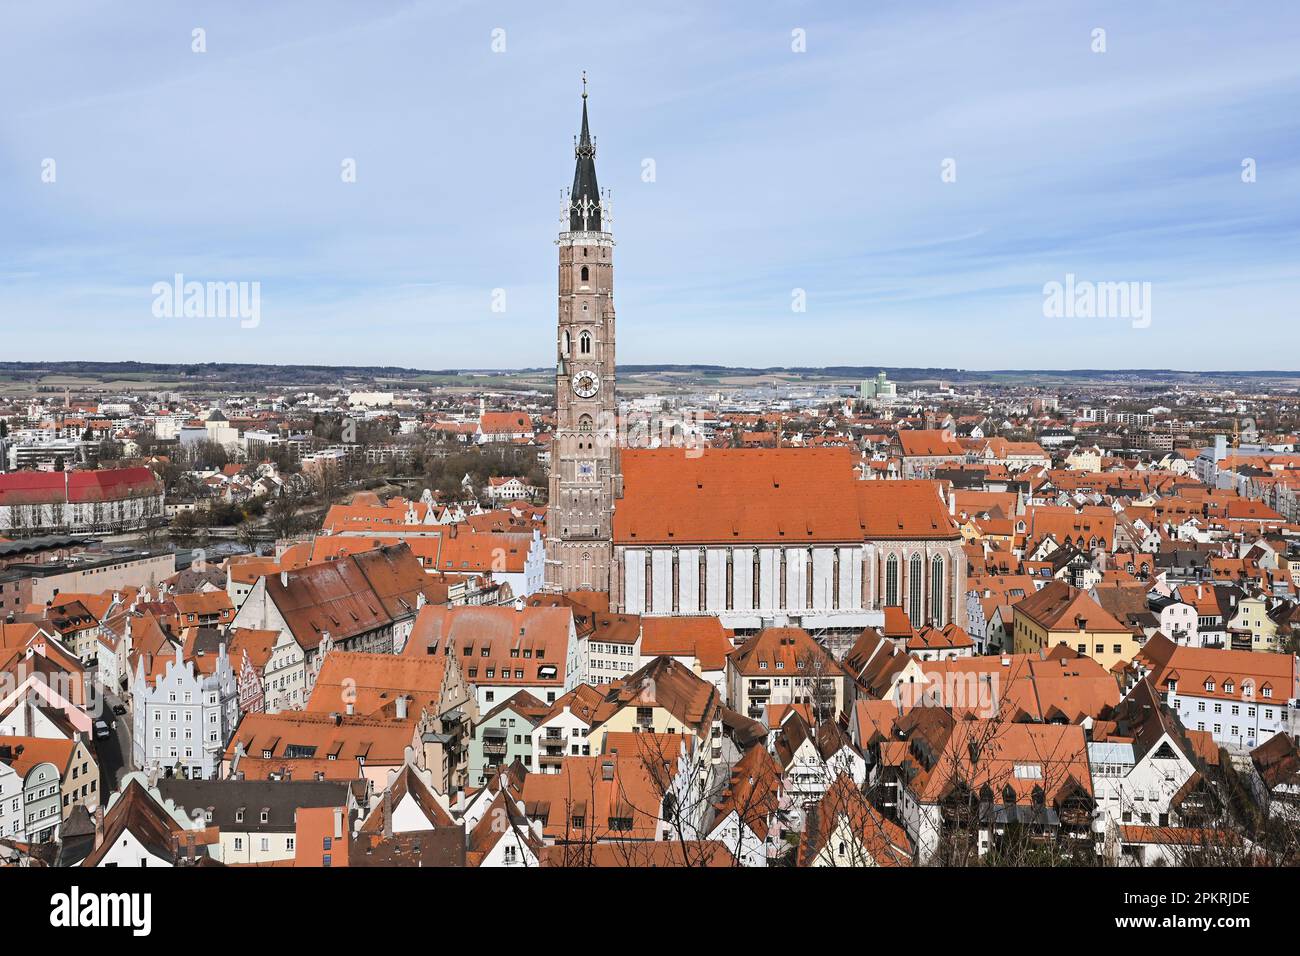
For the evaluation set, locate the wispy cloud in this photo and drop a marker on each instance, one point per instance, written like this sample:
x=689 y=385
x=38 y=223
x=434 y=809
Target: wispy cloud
x=774 y=171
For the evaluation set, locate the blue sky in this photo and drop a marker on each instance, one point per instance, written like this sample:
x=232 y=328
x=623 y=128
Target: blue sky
x=775 y=171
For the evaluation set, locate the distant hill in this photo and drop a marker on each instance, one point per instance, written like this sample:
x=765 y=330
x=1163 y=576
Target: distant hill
x=263 y=374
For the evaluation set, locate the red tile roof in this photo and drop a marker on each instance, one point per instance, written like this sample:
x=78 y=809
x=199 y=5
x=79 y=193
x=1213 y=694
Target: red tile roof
x=787 y=495
x=36 y=487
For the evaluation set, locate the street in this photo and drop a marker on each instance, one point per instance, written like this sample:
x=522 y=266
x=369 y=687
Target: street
x=113 y=751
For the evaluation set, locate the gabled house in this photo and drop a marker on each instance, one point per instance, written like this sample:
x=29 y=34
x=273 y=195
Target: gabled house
x=1146 y=772
x=844 y=829
x=504 y=735
x=139 y=830
x=784 y=665
x=746 y=816
x=185 y=709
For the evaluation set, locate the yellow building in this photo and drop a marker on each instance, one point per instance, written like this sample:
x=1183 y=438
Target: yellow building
x=1060 y=614
x=1252 y=616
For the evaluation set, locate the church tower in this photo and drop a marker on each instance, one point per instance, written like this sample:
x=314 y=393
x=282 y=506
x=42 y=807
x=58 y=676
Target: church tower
x=585 y=479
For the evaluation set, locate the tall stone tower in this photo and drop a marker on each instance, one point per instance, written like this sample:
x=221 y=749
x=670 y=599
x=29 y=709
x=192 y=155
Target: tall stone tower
x=585 y=477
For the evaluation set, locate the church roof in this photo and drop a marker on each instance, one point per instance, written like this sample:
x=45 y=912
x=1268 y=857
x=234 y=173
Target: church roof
x=773 y=495
x=585 y=194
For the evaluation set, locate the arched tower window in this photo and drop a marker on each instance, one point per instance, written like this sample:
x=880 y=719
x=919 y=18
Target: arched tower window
x=584 y=423
x=891 y=580
x=567 y=343
x=585 y=274
x=584 y=343
x=915 y=595
x=936 y=591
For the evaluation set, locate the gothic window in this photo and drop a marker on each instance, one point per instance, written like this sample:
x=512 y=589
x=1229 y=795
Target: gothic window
x=915 y=596
x=567 y=344
x=891 y=580
x=584 y=343
x=584 y=423
x=584 y=274
x=936 y=590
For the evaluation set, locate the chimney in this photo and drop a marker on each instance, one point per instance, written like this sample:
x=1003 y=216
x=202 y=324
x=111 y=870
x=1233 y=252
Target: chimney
x=401 y=707
x=351 y=708
x=607 y=770
x=338 y=823
x=99 y=826
x=388 y=812
x=284 y=579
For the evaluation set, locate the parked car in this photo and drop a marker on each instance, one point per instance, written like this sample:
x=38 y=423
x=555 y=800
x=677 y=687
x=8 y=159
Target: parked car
x=119 y=709
x=101 y=729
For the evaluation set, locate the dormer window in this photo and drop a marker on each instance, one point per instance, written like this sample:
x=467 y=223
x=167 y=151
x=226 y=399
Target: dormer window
x=1209 y=685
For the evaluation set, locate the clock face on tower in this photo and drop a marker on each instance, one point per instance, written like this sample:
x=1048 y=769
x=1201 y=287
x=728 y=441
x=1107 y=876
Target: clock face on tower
x=586 y=384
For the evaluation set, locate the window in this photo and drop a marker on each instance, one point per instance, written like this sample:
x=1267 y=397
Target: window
x=891 y=580
x=916 y=608
x=585 y=274
x=584 y=343
x=936 y=590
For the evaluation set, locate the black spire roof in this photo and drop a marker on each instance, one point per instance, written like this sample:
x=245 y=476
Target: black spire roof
x=584 y=197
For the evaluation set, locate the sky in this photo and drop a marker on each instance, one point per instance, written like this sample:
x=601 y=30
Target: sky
x=794 y=183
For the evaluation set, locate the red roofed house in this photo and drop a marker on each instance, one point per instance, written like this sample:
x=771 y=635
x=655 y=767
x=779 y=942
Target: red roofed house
x=503 y=427
x=924 y=450
x=45 y=502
